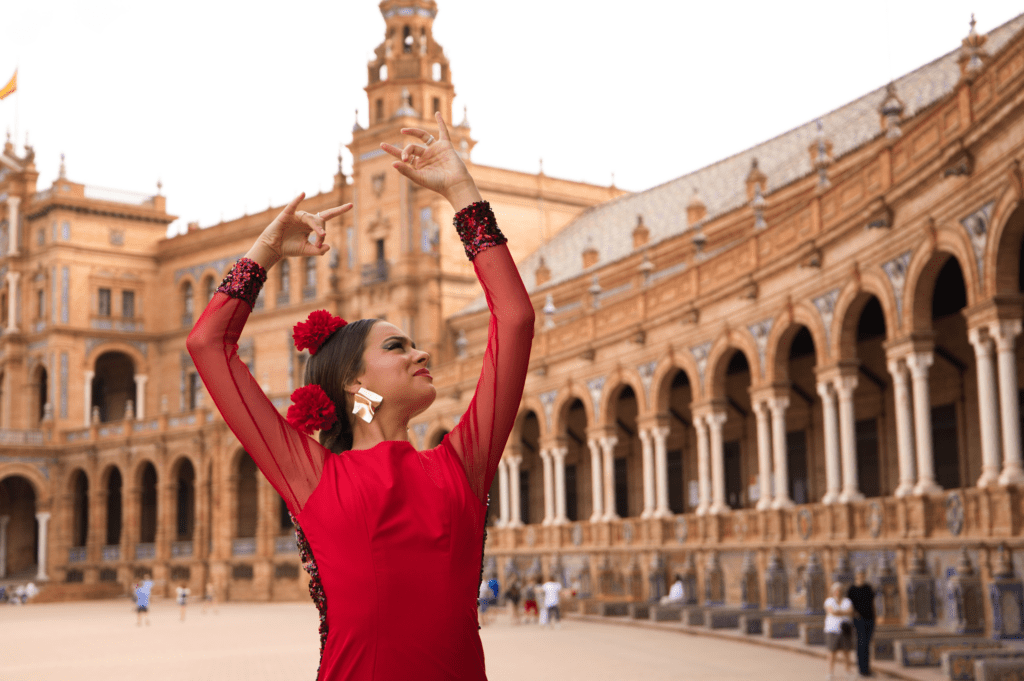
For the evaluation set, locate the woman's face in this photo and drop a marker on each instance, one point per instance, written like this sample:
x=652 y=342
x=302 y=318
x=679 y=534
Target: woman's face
x=396 y=370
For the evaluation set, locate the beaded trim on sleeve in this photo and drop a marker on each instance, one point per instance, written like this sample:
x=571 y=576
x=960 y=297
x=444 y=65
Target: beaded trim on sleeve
x=244 y=280
x=316 y=587
x=478 y=229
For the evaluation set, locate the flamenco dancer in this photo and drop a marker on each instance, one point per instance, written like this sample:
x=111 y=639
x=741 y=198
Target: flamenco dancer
x=373 y=514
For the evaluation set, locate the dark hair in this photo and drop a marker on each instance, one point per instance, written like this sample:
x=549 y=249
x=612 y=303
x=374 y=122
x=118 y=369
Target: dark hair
x=336 y=364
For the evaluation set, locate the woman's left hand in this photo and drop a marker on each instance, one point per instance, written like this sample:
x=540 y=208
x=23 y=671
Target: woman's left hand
x=434 y=164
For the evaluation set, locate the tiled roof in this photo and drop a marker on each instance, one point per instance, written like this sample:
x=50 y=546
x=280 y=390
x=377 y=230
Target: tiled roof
x=722 y=186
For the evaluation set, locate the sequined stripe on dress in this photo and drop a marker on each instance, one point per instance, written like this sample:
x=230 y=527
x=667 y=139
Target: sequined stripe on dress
x=316 y=587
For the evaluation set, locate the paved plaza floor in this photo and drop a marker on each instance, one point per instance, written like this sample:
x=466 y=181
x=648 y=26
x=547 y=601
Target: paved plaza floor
x=99 y=640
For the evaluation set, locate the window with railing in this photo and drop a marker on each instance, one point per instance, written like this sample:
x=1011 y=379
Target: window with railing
x=128 y=304
x=284 y=283
x=103 y=302
x=187 y=305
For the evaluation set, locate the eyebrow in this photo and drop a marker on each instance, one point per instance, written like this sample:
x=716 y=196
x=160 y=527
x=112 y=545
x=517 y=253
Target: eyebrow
x=400 y=338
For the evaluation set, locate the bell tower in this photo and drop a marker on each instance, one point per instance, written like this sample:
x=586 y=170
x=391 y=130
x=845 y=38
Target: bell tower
x=410 y=77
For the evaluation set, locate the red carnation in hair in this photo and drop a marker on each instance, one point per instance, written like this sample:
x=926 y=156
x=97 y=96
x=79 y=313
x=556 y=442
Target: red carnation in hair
x=311 y=410
x=317 y=328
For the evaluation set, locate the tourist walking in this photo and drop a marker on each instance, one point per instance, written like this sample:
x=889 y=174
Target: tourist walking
x=530 y=611
x=210 y=598
x=372 y=513
x=483 y=601
x=838 y=630
x=183 y=593
x=551 y=613
x=143 y=591
x=862 y=596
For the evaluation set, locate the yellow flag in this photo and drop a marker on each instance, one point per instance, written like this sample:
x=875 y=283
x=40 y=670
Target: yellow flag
x=11 y=86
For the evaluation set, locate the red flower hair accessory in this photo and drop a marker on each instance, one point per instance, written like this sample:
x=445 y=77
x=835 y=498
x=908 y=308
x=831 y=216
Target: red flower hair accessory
x=311 y=410
x=317 y=328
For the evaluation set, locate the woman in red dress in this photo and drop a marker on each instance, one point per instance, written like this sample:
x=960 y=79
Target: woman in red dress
x=374 y=515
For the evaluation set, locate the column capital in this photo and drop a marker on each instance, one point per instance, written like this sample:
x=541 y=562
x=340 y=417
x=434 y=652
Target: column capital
x=43 y=516
x=845 y=385
x=1005 y=332
x=599 y=432
x=715 y=419
x=609 y=441
x=559 y=453
x=979 y=338
x=4 y=519
x=778 y=403
x=13 y=200
x=920 y=362
x=513 y=459
x=760 y=408
x=824 y=389
x=141 y=378
x=897 y=368
x=545 y=454
x=654 y=421
x=661 y=431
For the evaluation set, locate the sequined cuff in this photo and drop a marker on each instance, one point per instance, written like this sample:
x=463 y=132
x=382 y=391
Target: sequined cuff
x=244 y=280
x=478 y=229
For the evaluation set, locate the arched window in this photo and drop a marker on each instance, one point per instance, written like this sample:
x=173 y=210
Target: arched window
x=147 y=505
x=186 y=496
x=382 y=74
x=187 y=305
x=114 y=508
x=42 y=384
x=210 y=287
x=406 y=40
x=113 y=385
x=435 y=71
x=309 y=285
x=80 y=510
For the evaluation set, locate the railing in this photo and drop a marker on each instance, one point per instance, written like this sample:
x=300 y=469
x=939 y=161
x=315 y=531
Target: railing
x=285 y=545
x=77 y=554
x=108 y=324
x=309 y=292
x=181 y=549
x=21 y=437
x=118 y=196
x=111 y=552
x=245 y=546
x=145 y=551
x=375 y=273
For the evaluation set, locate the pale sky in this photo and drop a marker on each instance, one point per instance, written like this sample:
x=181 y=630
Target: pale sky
x=235 y=106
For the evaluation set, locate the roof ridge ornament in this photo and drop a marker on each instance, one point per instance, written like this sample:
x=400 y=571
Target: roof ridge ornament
x=891 y=109
x=972 y=53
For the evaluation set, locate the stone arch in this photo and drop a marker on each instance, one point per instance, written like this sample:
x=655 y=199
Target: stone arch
x=77 y=490
x=564 y=399
x=184 y=474
x=40 y=388
x=531 y=403
x=111 y=483
x=208 y=285
x=113 y=389
x=139 y=360
x=149 y=499
x=924 y=270
x=780 y=340
x=849 y=307
x=186 y=301
x=245 y=476
x=718 y=362
x=613 y=386
x=40 y=485
x=20 y=502
x=664 y=374
x=1004 y=249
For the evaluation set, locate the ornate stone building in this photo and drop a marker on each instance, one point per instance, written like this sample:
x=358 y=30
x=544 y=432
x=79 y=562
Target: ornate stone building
x=801 y=358
x=113 y=463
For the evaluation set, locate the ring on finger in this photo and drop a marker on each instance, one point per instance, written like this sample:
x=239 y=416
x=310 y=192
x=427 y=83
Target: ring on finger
x=430 y=140
x=318 y=214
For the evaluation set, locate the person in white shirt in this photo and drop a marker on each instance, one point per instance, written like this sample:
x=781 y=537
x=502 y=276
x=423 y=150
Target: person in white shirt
x=552 y=591
x=675 y=594
x=838 y=627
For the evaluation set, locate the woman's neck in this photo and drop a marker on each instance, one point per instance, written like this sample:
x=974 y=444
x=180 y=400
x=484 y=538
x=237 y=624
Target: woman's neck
x=383 y=428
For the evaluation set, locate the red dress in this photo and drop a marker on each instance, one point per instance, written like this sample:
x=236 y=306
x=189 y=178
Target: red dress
x=395 y=534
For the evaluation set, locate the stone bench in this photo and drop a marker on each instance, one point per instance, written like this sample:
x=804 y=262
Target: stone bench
x=750 y=622
x=787 y=625
x=639 y=611
x=693 y=616
x=665 y=613
x=812 y=633
x=994 y=669
x=723 y=617
x=927 y=652
x=884 y=637
x=605 y=608
x=958 y=665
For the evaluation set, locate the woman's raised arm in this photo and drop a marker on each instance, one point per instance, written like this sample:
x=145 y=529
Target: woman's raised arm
x=291 y=461
x=479 y=438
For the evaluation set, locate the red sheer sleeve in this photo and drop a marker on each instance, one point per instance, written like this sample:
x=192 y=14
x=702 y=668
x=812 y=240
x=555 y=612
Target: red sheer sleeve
x=291 y=461
x=479 y=438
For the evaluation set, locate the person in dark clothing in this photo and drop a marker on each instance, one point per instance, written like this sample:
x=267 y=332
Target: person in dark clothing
x=862 y=595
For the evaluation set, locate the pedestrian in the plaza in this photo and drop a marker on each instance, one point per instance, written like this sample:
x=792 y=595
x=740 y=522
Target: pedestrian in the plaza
x=143 y=591
x=483 y=601
x=838 y=630
x=512 y=595
x=372 y=513
x=530 y=611
x=183 y=592
x=210 y=598
x=551 y=614
x=675 y=592
x=862 y=596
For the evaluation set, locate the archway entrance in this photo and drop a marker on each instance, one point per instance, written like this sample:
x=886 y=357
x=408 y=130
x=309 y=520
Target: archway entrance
x=18 y=504
x=113 y=385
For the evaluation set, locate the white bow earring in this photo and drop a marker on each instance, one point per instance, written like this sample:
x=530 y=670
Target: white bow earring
x=365 y=403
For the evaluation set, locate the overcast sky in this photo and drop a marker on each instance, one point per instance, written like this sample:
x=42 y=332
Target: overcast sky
x=235 y=106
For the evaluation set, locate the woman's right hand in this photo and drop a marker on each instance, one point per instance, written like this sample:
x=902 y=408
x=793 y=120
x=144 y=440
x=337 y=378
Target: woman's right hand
x=288 y=235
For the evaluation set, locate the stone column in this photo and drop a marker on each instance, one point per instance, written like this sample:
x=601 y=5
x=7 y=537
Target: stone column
x=703 y=465
x=87 y=400
x=44 y=520
x=549 y=488
x=988 y=407
x=558 y=455
x=904 y=428
x=513 y=474
x=778 y=406
x=266 y=516
x=166 y=520
x=15 y=228
x=845 y=385
x=716 y=420
x=4 y=519
x=140 y=395
x=764 y=454
x=595 y=480
x=828 y=409
x=608 y=443
x=503 y=505
x=13 y=297
x=1005 y=334
x=660 y=436
x=648 y=461
x=918 y=363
